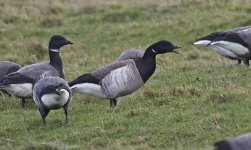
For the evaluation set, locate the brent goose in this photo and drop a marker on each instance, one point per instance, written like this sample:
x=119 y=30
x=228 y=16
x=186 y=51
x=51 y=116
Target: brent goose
x=51 y=93
x=20 y=83
x=131 y=54
x=234 y=44
x=122 y=77
x=6 y=68
x=242 y=142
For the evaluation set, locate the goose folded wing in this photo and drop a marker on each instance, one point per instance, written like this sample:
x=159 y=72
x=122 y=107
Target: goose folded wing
x=30 y=74
x=211 y=36
x=39 y=71
x=97 y=75
x=16 y=78
x=240 y=35
x=231 y=37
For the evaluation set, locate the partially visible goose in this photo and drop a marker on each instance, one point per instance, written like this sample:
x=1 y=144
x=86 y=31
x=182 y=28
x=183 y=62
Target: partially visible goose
x=242 y=142
x=131 y=54
x=122 y=77
x=20 y=83
x=234 y=44
x=51 y=93
x=7 y=67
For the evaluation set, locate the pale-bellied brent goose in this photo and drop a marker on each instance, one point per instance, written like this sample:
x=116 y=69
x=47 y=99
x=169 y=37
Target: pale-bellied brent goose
x=20 y=83
x=234 y=44
x=51 y=93
x=122 y=77
x=7 y=67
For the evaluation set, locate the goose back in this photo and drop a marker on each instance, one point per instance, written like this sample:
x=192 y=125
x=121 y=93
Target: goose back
x=31 y=73
x=131 y=54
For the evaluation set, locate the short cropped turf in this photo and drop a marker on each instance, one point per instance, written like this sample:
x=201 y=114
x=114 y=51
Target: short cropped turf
x=193 y=99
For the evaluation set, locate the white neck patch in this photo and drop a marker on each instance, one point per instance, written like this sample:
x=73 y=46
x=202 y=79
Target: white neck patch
x=154 y=51
x=54 y=50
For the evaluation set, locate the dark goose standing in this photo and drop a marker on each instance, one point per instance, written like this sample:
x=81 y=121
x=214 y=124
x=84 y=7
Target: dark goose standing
x=7 y=67
x=131 y=54
x=234 y=44
x=242 y=142
x=51 y=93
x=122 y=77
x=20 y=83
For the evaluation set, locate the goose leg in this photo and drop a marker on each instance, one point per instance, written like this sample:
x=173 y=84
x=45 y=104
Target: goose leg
x=23 y=102
x=246 y=62
x=43 y=113
x=66 y=113
x=239 y=61
x=113 y=103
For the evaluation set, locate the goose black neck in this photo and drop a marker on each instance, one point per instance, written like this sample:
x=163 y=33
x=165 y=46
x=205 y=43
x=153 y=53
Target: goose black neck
x=55 y=61
x=146 y=65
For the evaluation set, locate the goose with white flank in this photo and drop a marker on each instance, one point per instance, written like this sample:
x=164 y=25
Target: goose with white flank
x=242 y=142
x=21 y=82
x=122 y=77
x=131 y=54
x=6 y=68
x=51 y=93
x=234 y=44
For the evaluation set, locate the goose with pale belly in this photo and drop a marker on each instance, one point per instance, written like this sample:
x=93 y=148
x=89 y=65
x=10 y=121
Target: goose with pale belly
x=7 y=67
x=21 y=82
x=51 y=93
x=234 y=44
x=122 y=77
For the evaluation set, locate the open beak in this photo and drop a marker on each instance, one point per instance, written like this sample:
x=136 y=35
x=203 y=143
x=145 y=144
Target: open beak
x=176 y=49
x=69 y=42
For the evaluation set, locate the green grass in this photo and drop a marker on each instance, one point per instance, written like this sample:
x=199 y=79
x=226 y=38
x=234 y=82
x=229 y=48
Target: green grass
x=193 y=99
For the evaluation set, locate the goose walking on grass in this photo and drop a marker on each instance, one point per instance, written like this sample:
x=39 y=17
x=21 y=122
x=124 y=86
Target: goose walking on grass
x=51 y=93
x=234 y=44
x=7 y=67
x=122 y=77
x=131 y=54
x=21 y=82
x=242 y=142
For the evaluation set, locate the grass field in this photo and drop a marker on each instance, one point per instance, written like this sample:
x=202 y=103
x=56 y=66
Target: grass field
x=193 y=100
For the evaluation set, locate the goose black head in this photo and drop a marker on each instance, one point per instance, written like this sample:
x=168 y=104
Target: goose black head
x=164 y=46
x=61 y=88
x=57 y=41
